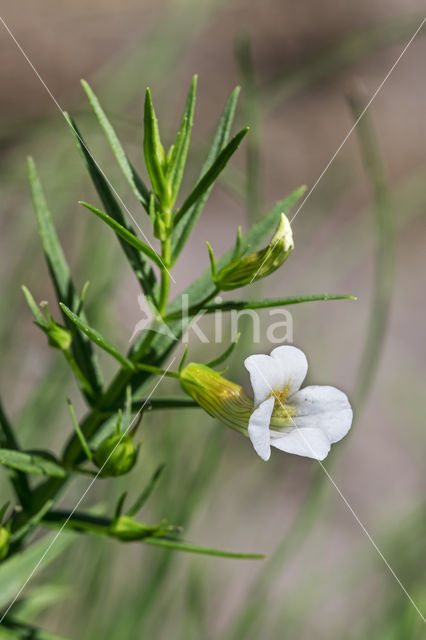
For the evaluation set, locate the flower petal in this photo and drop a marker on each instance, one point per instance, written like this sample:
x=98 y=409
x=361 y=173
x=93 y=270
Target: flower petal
x=258 y=428
x=293 y=364
x=323 y=408
x=265 y=376
x=308 y=442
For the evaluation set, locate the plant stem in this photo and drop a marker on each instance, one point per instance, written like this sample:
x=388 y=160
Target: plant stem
x=166 y=257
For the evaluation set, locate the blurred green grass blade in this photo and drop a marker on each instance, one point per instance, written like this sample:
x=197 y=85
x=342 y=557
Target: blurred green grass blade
x=176 y=164
x=124 y=233
x=155 y=158
x=211 y=174
x=14 y=571
x=193 y=548
x=329 y=61
x=184 y=227
x=141 y=268
x=146 y=493
x=36 y=463
x=251 y=112
x=140 y=190
x=97 y=337
x=384 y=252
x=61 y=277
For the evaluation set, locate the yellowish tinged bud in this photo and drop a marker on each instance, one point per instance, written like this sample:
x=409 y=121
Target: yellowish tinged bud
x=225 y=400
x=243 y=271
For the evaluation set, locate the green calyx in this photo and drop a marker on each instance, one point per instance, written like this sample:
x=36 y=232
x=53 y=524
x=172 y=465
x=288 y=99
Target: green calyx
x=244 y=270
x=116 y=455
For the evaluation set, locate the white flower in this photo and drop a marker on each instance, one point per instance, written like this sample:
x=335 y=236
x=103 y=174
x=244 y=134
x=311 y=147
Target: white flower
x=305 y=421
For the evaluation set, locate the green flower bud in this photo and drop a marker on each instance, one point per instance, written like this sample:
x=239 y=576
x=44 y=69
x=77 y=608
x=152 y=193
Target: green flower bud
x=58 y=336
x=243 y=271
x=116 y=455
x=4 y=542
x=127 y=529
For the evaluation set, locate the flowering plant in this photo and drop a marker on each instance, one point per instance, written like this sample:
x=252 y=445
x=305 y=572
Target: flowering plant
x=102 y=442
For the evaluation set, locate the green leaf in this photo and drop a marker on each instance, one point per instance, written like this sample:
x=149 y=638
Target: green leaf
x=127 y=235
x=176 y=163
x=140 y=190
x=80 y=434
x=193 y=548
x=97 y=337
x=210 y=176
x=225 y=355
x=15 y=570
x=184 y=227
x=155 y=158
x=61 y=277
x=32 y=522
x=237 y=305
x=171 y=402
x=141 y=267
x=35 y=309
x=9 y=441
x=139 y=503
x=40 y=463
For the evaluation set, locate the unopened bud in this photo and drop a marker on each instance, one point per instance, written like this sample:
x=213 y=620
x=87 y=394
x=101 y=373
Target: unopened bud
x=116 y=455
x=257 y=265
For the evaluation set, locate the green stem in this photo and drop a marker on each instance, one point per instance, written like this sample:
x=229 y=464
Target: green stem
x=166 y=258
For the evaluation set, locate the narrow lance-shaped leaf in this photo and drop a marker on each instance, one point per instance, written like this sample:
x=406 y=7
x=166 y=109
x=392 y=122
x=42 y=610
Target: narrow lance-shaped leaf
x=180 y=545
x=97 y=338
x=141 y=500
x=155 y=158
x=225 y=355
x=210 y=176
x=128 y=529
x=61 y=277
x=141 y=267
x=238 y=305
x=40 y=463
x=8 y=440
x=140 y=190
x=39 y=317
x=184 y=227
x=127 y=235
x=176 y=163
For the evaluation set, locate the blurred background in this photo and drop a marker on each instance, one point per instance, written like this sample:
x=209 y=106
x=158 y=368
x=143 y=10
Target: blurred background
x=298 y=65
